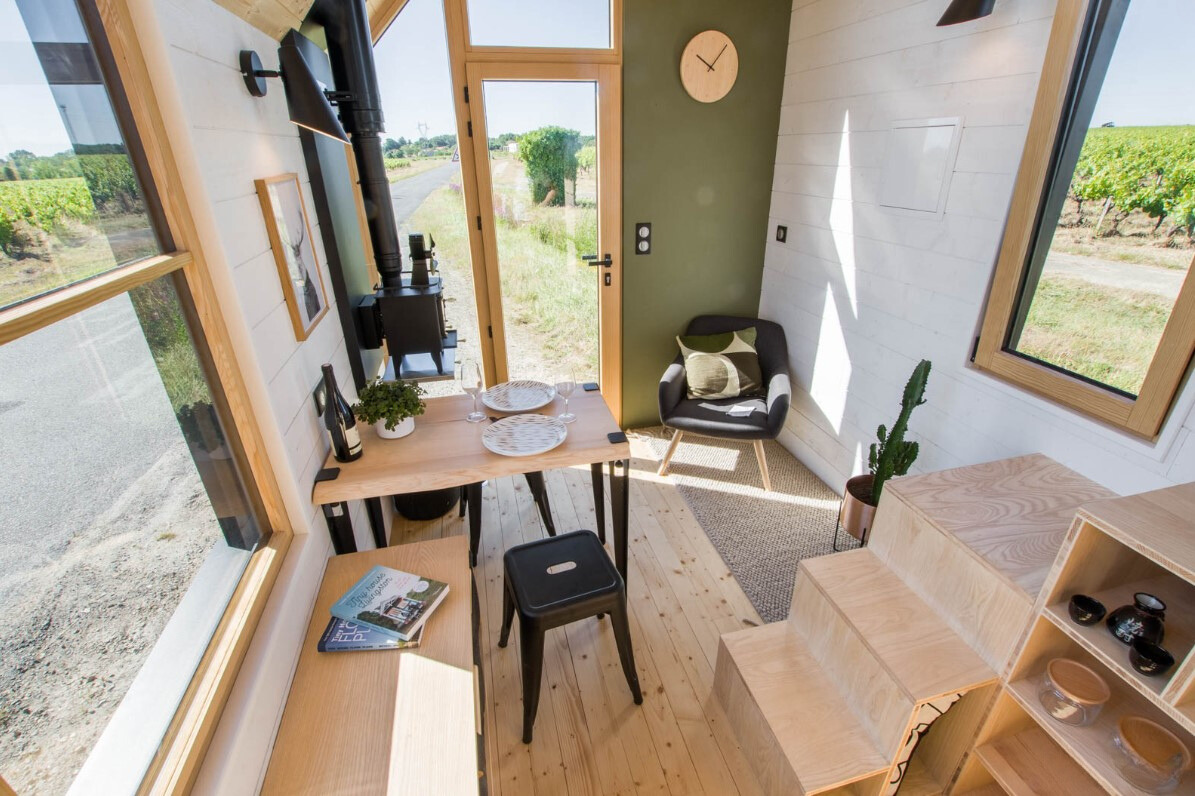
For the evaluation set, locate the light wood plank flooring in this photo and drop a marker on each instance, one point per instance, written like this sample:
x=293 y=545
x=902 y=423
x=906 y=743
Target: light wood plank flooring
x=590 y=738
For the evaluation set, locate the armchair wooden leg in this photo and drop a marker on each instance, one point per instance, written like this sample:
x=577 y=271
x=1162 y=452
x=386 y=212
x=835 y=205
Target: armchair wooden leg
x=671 y=450
x=762 y=458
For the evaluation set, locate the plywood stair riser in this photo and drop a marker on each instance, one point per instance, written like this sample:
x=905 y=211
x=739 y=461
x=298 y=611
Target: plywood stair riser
x=792 y=723
x=975 y=601
x=873 y=695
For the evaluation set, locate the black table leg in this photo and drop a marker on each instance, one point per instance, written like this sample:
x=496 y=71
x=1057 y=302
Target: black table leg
x=539 y=491
x=599 y=502
x=620 y=503
x=373 y=506
x=340 y=527
x=474 y=493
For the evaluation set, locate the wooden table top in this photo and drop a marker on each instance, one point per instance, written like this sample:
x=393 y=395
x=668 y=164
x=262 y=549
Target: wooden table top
x=445 y=450
x=385 y=721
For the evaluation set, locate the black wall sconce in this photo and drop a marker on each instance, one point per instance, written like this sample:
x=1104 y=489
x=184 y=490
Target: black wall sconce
x=309 y=103
x=965 y=11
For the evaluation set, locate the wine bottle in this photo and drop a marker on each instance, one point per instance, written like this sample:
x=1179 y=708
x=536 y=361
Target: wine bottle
x=340 y=421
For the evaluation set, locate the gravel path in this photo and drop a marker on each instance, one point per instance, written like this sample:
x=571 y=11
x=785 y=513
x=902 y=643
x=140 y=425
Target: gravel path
x=1163 y=282
x=105 y=522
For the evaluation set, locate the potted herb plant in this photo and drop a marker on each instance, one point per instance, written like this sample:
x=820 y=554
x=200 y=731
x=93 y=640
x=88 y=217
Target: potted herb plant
x=892 y=455
x=391 y=406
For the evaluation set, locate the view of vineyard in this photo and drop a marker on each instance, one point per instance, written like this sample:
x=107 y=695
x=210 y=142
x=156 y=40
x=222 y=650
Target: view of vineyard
x=1124 y=237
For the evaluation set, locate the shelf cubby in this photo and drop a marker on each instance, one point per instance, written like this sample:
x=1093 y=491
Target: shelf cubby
x=1090 y=747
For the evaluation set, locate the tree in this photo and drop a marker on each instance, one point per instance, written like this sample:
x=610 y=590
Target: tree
x=391 y=145
x=551 y=157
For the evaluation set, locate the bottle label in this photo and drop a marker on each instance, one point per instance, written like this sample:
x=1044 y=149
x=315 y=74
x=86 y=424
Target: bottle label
x=353 y=438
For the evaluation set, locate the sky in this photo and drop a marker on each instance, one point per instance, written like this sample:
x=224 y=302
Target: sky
x=412 y=64
x=1149 y=79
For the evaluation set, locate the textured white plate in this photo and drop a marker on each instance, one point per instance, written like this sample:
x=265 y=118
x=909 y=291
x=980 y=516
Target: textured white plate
x=523 y=435
x=518 y=396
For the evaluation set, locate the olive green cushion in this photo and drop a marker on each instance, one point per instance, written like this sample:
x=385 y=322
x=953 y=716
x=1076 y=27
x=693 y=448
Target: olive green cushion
x=721 y=365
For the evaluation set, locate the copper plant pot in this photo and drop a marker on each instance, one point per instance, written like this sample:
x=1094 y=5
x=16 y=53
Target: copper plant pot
x=857 y=510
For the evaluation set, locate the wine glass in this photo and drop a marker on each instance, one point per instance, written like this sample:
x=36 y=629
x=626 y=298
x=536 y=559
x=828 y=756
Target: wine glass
x=565 y=384
x=471 y=383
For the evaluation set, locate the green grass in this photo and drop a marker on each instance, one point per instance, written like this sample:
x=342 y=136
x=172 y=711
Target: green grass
x=1104 y=333
x=546 y=289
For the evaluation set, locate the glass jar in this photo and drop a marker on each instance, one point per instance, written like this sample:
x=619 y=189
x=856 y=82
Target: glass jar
x=1150 y=757
x=1072 y=693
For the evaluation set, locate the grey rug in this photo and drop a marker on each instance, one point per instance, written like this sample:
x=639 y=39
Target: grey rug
x=760 y=535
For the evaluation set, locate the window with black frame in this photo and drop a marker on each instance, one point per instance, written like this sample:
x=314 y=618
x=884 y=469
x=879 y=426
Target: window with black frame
x=128 y=515
x=1115 y=230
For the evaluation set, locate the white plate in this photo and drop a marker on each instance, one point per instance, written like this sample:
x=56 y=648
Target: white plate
x=523 y=435
x=518 y=396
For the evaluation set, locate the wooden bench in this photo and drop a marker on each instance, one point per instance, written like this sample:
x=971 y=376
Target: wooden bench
x=387 y=721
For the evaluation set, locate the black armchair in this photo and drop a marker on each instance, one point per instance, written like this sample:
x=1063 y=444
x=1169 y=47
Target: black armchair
x=708 y=417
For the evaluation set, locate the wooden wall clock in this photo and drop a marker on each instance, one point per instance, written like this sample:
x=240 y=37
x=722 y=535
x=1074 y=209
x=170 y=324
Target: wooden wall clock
x=709 y=66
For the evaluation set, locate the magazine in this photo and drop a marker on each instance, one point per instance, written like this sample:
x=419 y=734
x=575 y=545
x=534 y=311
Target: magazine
x=341 y=635
x=395 y=603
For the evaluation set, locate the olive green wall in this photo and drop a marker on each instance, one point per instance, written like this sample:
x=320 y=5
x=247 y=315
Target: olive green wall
x=700 y=173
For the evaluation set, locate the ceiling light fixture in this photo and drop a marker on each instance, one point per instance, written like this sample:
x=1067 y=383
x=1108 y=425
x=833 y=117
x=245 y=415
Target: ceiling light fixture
x=966 y=11
x=309 y=103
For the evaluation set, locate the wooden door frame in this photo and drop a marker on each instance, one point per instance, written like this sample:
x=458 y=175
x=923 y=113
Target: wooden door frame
x=605 y=79
x=604 y=66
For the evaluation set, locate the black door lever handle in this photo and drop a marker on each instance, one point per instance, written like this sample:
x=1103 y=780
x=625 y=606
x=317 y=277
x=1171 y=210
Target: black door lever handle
x=592 y=259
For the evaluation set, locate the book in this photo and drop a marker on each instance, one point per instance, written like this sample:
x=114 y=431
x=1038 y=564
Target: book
x=341 y=635
x=392 y=602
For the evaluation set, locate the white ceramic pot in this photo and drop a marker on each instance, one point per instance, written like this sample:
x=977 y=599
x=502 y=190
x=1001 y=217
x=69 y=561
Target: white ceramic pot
x=403 y=428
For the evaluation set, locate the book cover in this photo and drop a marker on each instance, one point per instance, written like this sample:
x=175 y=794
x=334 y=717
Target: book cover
x=341 y=635
x=393 y=602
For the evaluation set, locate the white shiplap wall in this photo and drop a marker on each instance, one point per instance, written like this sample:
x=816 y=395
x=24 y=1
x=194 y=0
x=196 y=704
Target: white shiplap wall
x=863 y=293
x=224 y=140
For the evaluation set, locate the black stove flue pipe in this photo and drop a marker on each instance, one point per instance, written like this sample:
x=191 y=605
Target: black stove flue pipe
x=350 y=51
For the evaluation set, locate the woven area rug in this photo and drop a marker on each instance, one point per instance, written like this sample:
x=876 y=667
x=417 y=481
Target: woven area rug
x=760 y=535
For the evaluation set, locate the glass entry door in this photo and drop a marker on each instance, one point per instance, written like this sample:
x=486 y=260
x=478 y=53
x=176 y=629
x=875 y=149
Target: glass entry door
x=547 y=184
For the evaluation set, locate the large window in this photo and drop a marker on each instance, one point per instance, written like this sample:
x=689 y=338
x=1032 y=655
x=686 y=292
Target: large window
x=1089 y=304
x=133 y=516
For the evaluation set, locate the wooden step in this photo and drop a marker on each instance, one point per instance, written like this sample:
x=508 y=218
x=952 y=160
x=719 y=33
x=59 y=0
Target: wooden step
x=977 y=542
x=912 y=642
x=790 y=719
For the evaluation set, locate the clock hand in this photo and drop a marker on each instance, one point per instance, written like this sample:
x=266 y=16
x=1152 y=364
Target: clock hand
x=711 y=66
x=708 y=65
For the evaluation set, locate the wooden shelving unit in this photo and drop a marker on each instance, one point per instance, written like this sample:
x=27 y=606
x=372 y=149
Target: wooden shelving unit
x=1114 y=548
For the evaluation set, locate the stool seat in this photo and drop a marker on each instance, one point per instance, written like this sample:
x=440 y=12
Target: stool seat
x=555 y=581
x=556 y=575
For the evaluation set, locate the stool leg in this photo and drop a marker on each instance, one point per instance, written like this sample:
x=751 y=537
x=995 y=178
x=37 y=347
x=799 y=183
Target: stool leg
x=622 y=635
x=508 y=615
x=531 y=649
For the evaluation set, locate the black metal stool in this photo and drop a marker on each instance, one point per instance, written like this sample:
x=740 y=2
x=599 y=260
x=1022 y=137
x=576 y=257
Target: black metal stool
x=553 y=582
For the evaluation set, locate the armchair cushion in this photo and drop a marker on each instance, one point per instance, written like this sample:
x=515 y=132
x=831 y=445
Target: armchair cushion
x=723 y=365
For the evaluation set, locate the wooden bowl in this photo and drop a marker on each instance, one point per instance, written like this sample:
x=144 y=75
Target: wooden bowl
x=1077 y=682
x=1152 y=743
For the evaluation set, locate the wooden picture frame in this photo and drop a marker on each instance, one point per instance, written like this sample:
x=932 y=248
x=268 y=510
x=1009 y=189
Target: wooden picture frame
x=294 y=251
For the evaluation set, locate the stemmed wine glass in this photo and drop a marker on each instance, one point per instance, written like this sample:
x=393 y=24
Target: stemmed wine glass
x=565 y=384
x=471 y=383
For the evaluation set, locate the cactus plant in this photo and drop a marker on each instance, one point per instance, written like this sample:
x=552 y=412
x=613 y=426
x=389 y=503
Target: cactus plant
x=893 y=454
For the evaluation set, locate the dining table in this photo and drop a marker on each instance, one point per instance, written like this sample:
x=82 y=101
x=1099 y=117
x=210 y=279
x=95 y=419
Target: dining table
x=445 y=450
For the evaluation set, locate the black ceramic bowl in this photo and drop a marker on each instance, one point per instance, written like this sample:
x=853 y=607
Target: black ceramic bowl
x=1086 y=610
x=1149 y=659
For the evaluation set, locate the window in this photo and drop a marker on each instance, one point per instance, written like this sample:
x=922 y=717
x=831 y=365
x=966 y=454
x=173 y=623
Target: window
x=541 y=23
x=1089 y=304
x=140 y=531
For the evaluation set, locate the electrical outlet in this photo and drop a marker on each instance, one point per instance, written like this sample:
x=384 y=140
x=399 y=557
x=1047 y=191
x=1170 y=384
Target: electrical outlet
x=781 y=233
x=642 y=237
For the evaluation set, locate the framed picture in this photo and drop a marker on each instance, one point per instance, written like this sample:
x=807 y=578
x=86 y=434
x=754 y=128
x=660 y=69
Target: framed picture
x=294 y=251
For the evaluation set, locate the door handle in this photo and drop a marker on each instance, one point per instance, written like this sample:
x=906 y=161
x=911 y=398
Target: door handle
x=592 y=259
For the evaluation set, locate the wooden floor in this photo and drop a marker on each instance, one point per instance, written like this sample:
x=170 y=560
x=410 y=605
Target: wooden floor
x=590 y=738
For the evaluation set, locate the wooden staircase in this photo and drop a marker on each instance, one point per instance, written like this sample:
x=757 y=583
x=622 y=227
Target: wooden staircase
x=825 y=701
